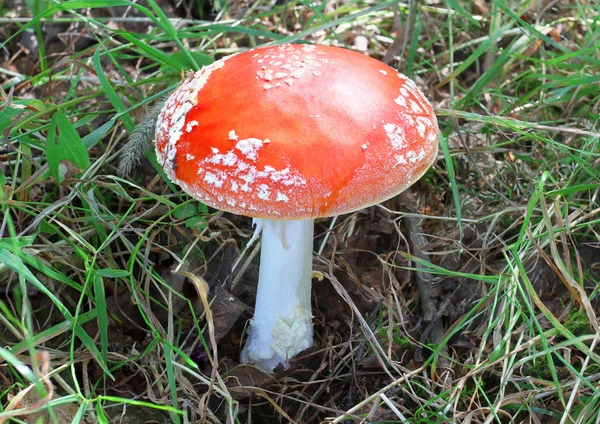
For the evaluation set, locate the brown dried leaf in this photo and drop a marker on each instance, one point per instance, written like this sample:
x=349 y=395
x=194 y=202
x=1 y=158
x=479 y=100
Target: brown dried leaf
x=226 y=311
x=243 y=377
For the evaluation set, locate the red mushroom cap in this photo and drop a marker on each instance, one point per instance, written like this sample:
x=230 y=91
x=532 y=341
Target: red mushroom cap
x=296 y=132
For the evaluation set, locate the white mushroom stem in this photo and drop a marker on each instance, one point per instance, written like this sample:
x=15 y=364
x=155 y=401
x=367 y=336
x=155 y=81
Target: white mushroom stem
x=282 y=323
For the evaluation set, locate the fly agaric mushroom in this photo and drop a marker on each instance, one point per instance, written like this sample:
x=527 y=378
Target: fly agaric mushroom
x=287 y=134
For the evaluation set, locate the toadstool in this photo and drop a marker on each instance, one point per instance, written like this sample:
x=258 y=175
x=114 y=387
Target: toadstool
x=287 y=134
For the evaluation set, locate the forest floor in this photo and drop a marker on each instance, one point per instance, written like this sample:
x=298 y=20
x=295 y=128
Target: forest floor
x=473 y=297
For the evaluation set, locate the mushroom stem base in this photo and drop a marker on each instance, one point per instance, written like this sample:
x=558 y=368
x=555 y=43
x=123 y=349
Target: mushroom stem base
x=282 y=323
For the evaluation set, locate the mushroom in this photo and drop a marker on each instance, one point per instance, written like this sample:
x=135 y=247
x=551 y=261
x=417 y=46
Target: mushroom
x=287 y=134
